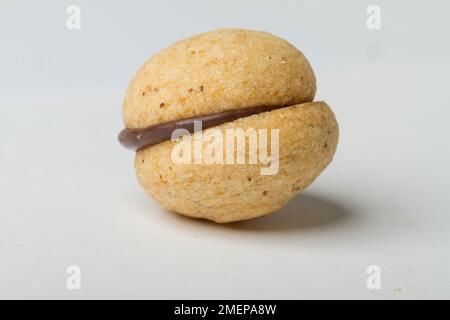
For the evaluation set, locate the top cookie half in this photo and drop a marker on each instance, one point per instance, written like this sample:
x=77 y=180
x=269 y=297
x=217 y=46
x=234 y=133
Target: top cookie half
x=217 y=71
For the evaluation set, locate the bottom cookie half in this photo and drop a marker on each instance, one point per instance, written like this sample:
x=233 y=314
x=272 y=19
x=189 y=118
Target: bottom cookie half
x=242 y=169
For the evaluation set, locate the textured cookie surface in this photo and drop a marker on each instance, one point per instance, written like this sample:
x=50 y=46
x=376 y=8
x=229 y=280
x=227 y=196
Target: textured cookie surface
x=217 y=71
x=308 y=135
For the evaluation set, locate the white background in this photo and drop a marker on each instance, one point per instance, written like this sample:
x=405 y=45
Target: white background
x=68 y=192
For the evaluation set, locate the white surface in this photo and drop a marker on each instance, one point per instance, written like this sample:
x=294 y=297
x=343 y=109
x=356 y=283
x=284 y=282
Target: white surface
x=68 y=194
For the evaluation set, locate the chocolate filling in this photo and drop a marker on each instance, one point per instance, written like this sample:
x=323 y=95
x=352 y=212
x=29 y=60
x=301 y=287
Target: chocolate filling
x=138 y=139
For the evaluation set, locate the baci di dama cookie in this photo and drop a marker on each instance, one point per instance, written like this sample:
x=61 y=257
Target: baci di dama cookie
x=224 y=125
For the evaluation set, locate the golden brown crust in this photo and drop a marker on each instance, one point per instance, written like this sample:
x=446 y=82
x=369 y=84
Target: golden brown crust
x=216 y=71
x=230 y=192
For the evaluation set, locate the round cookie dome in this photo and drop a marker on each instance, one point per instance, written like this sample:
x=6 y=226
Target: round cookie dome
x=231 y=192
x=217 y=71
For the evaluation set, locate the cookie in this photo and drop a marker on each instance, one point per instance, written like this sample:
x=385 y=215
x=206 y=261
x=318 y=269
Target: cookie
x=224 y=126
x=217 y=71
